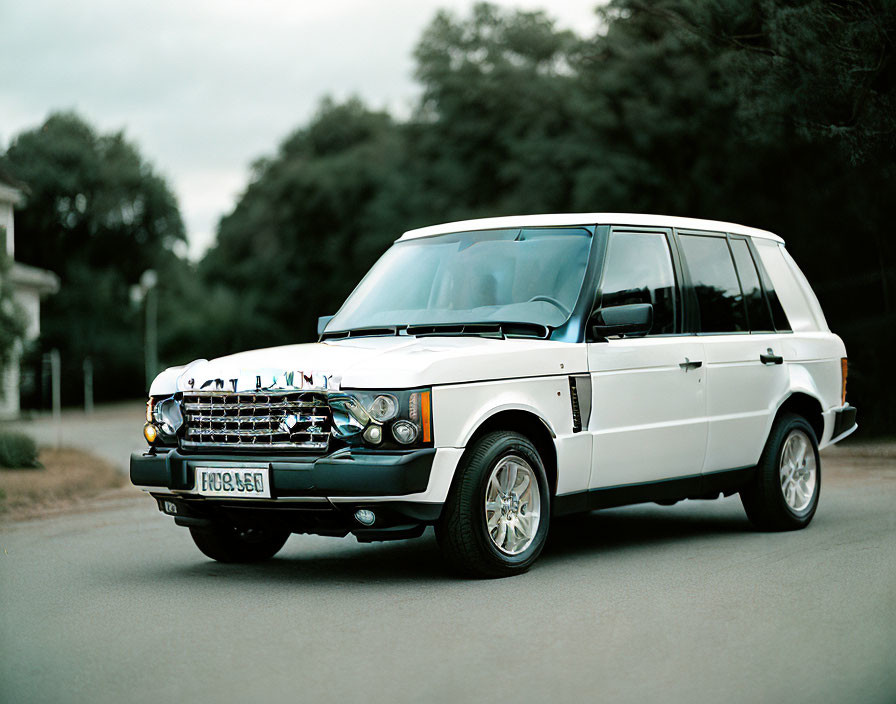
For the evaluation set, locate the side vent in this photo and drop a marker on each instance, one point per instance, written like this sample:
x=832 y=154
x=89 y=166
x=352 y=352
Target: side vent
x=574 y=400
x=580 y=400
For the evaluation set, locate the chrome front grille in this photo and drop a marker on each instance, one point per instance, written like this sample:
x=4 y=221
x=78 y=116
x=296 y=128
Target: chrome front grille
x=262 y=420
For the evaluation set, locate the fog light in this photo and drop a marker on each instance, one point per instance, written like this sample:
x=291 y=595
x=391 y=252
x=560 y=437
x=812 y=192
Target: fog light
x=405 y=432
x=374 y=434
x=171 y=508
x=150 y=433
x=365 y=517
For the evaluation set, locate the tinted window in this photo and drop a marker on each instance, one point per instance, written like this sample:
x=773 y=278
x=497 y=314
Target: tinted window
x=757 y=309
x=639 y=270
x=719 y=299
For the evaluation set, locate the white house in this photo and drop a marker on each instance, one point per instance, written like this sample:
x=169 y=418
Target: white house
x=29 y=286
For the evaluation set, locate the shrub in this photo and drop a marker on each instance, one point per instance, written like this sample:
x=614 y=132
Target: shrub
x=17 y=451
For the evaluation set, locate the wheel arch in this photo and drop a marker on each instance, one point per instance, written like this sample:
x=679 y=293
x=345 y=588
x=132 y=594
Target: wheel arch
x=806 y=405
x=529 y=424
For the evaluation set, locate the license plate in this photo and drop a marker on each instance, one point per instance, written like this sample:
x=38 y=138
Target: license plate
x=243 y=482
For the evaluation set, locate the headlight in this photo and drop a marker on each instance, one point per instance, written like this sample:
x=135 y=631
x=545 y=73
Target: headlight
x=383 y=419
x=405 y=432
x=164 y=419
x=383 y=408
x=168 y=416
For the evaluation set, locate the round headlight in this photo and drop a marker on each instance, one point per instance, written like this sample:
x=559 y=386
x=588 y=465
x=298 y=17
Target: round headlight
x=168 y=416
x=383 y=408
x=405 y=432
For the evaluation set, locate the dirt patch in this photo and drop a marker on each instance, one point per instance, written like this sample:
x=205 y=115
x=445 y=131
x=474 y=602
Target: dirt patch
x=68 y=479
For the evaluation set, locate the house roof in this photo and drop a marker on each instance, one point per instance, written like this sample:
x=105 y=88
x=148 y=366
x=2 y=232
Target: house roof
x=569 y=219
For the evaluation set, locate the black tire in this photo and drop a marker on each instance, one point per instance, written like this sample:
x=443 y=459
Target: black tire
x=228 y=543
x=764 y=499
x=462 y=531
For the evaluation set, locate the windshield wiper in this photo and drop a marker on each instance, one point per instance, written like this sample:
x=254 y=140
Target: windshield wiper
x=379 y=331
x=498 y=331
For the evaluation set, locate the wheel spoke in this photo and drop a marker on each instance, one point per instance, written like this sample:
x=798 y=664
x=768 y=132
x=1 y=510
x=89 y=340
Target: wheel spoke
x=494 y=486
x=510 y=474
x=501 y=534
x=524 y=482
x=512 y=538
x=525 y=523
x=800 y=453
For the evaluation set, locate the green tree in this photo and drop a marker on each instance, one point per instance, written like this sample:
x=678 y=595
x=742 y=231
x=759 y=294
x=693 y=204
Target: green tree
x=310 y=223
x=98 y=215
x=492 y=132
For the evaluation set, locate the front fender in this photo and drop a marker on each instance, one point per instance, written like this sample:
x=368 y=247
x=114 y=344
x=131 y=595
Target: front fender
x=458 y=410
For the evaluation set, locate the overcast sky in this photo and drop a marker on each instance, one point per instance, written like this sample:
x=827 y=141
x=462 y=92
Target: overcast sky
x=206 y=86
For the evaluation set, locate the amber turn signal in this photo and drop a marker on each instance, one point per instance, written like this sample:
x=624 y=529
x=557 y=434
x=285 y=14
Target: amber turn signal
x=427 y=419
x=150 y=433
x=843 y=370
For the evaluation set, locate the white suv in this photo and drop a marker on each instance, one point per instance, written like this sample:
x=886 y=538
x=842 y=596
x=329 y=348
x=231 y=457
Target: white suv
x=487 y=375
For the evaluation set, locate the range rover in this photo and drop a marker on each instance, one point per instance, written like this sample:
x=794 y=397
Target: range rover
x=488 y=375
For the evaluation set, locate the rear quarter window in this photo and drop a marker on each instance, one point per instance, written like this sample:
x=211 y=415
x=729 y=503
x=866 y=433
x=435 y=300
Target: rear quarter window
x=791 y=286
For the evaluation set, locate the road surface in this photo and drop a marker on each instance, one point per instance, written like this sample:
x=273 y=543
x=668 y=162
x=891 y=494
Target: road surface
x=677 y=604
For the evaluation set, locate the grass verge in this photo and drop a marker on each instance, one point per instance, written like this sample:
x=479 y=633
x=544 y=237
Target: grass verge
x=67 y=478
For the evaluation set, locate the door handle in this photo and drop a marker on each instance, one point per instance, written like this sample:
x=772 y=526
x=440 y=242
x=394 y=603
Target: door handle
x=688 y=364
x=771 y=358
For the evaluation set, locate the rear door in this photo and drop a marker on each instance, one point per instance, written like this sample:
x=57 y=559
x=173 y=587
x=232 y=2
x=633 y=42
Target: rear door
x=744 y=354
x=648 y=407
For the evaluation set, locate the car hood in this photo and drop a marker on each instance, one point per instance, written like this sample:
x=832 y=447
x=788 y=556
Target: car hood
x=376 y=363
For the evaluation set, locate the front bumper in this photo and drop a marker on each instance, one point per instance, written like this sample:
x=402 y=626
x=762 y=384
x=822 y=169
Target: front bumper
x=356 y=473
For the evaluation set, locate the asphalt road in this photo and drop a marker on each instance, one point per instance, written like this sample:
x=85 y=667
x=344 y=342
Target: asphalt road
x=679 y=604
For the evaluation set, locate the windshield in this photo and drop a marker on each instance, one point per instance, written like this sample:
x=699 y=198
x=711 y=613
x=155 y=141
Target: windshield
x=528 y=275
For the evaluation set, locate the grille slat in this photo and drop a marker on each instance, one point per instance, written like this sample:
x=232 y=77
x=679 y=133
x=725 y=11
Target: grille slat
x=286 y=420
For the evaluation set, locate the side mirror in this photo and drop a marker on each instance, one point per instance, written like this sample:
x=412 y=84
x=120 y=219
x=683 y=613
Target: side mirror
x=632 y=319
x=322 y=323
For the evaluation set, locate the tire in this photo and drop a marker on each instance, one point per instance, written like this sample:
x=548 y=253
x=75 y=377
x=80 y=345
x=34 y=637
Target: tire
x=227 y=543
x=490 y=491
x=784 y=493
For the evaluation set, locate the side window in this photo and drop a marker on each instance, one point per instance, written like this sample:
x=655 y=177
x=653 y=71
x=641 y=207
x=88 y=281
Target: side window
x=719 y=298
x=760 y=317
x=639 y=269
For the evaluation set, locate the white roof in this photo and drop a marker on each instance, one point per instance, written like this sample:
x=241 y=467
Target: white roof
x=566 y=219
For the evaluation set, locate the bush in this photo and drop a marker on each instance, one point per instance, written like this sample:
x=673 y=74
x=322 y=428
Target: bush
x=17 y=451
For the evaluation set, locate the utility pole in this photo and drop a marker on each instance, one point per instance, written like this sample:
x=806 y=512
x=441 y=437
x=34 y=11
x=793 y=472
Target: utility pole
x=88 y=385
x=149 y=287
x=56 y=374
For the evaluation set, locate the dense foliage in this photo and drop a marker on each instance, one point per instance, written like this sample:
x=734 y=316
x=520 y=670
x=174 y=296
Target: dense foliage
x=97 y=215
x=774 y=113
x=17 y=451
